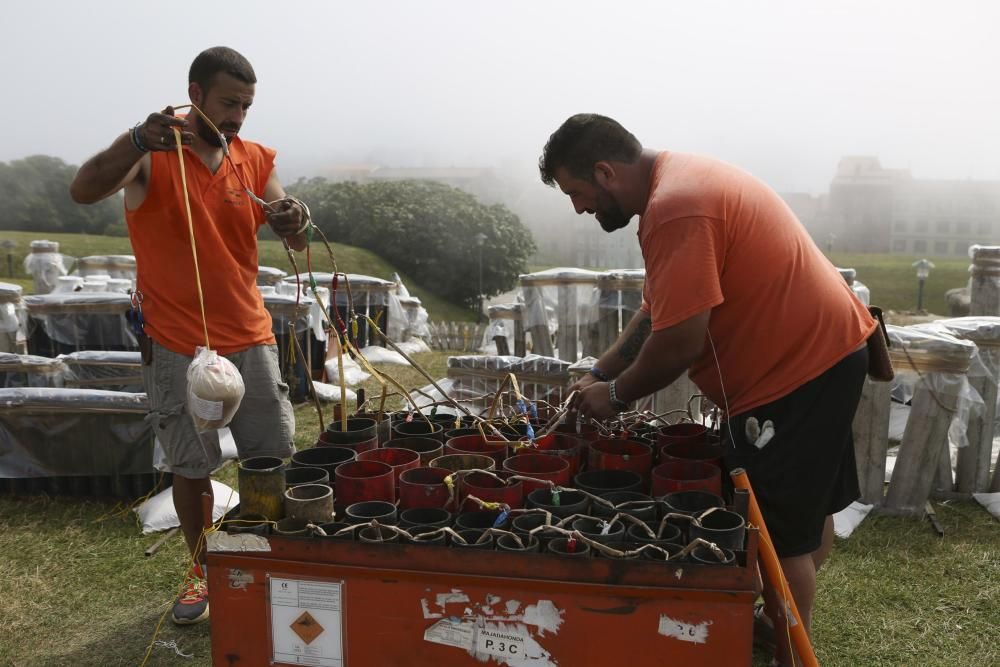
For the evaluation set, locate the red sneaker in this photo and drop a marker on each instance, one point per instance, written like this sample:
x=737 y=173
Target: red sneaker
x=192 y=605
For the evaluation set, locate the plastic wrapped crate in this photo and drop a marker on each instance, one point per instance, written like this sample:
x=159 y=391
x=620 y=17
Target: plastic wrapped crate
x=119 y=267
x=286 y=313
x=45 y=265
x=269 y=275
x=984 y=286
x=76 y=442
x=371 y=296
x=570 y=294
x=932 y=373
x=26 y=370
x=505 y=333
x=974 y=461
x=416 y=318
x=541 y=378
x=112 y=371
x=618 y=298
x=66 y=323
x=11 y=316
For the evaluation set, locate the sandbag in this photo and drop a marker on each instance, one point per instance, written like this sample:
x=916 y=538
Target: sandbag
x=215 y=390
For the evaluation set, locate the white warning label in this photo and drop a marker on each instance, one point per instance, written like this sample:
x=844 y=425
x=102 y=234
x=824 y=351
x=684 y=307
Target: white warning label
x=306 y=622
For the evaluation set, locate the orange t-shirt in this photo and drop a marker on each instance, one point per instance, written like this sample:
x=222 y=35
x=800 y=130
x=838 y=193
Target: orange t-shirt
x=225 y=229
x=714 y=237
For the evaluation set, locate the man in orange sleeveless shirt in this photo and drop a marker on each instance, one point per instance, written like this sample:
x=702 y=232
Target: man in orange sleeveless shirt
x=145 y=163
x=737 y=292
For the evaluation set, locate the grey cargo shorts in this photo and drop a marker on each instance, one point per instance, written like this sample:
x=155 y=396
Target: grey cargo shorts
x=264 y=425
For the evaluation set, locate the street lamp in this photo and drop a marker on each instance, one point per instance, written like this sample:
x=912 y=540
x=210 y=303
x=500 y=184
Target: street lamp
x=480 y=242
x=923 y=267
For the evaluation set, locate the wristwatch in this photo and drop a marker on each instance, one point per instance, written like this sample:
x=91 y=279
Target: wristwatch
x=618 y=405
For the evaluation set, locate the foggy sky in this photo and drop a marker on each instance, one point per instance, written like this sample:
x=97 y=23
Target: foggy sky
x=783 y=89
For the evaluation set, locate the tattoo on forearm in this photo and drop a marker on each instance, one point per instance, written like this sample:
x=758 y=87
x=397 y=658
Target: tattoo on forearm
x=629 y=349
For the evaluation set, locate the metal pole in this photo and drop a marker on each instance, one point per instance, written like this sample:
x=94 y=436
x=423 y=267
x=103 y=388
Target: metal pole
x=479 y=315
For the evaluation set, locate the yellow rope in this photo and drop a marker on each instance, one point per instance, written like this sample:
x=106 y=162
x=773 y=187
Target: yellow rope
x=194 y=246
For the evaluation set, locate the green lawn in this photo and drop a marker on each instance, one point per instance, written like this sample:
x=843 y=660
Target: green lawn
x=893 y=280
x=271 y=253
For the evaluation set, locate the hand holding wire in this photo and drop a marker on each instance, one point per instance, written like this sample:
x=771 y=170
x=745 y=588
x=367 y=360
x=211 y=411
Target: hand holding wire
x=594 y=401
x=285 y=217
x=583 y=383
x=156 y=132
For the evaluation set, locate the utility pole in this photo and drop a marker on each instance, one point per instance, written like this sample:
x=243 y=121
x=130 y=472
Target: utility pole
x=480 y=242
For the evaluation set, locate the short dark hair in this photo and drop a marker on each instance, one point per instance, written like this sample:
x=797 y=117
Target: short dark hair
x=217 y=59
x=584 y=140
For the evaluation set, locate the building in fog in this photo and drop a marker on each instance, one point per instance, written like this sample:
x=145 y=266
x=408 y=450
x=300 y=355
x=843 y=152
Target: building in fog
x=564 y=238
x=873 y=209
x=944 y=217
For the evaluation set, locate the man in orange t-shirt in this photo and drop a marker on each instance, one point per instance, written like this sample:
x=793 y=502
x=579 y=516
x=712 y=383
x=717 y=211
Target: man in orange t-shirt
x=737 y=294
x=144 y=161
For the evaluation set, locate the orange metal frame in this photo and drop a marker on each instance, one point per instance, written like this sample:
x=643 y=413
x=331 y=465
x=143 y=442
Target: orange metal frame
x=592 y=611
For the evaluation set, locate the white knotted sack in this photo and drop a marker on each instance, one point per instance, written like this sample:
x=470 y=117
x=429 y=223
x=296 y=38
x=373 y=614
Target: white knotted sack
x=215 y=390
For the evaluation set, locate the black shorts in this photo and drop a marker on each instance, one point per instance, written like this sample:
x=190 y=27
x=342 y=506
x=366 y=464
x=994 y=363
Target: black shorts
x=807 y=470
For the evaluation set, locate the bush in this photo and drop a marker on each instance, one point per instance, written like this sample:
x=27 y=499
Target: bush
x=427 y=230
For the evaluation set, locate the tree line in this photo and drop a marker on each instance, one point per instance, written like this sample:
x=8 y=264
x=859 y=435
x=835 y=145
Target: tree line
x=35 y=192
x=438 y=235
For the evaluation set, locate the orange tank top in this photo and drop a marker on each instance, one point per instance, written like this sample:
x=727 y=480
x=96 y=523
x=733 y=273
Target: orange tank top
x=225 y=229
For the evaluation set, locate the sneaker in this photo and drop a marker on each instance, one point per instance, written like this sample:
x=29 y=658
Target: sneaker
x=192 y=604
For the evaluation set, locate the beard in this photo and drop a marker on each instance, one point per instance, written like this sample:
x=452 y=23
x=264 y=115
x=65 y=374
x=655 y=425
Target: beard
x=609 y=214
x=207 y=134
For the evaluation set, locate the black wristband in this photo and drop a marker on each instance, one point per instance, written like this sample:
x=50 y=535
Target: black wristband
x=136 y=141
x=599 y=374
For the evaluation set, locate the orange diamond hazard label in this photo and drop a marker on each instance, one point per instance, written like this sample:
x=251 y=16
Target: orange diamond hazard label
x=307 y=627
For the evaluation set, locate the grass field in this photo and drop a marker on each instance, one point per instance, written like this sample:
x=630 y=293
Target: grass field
x=271 y=253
